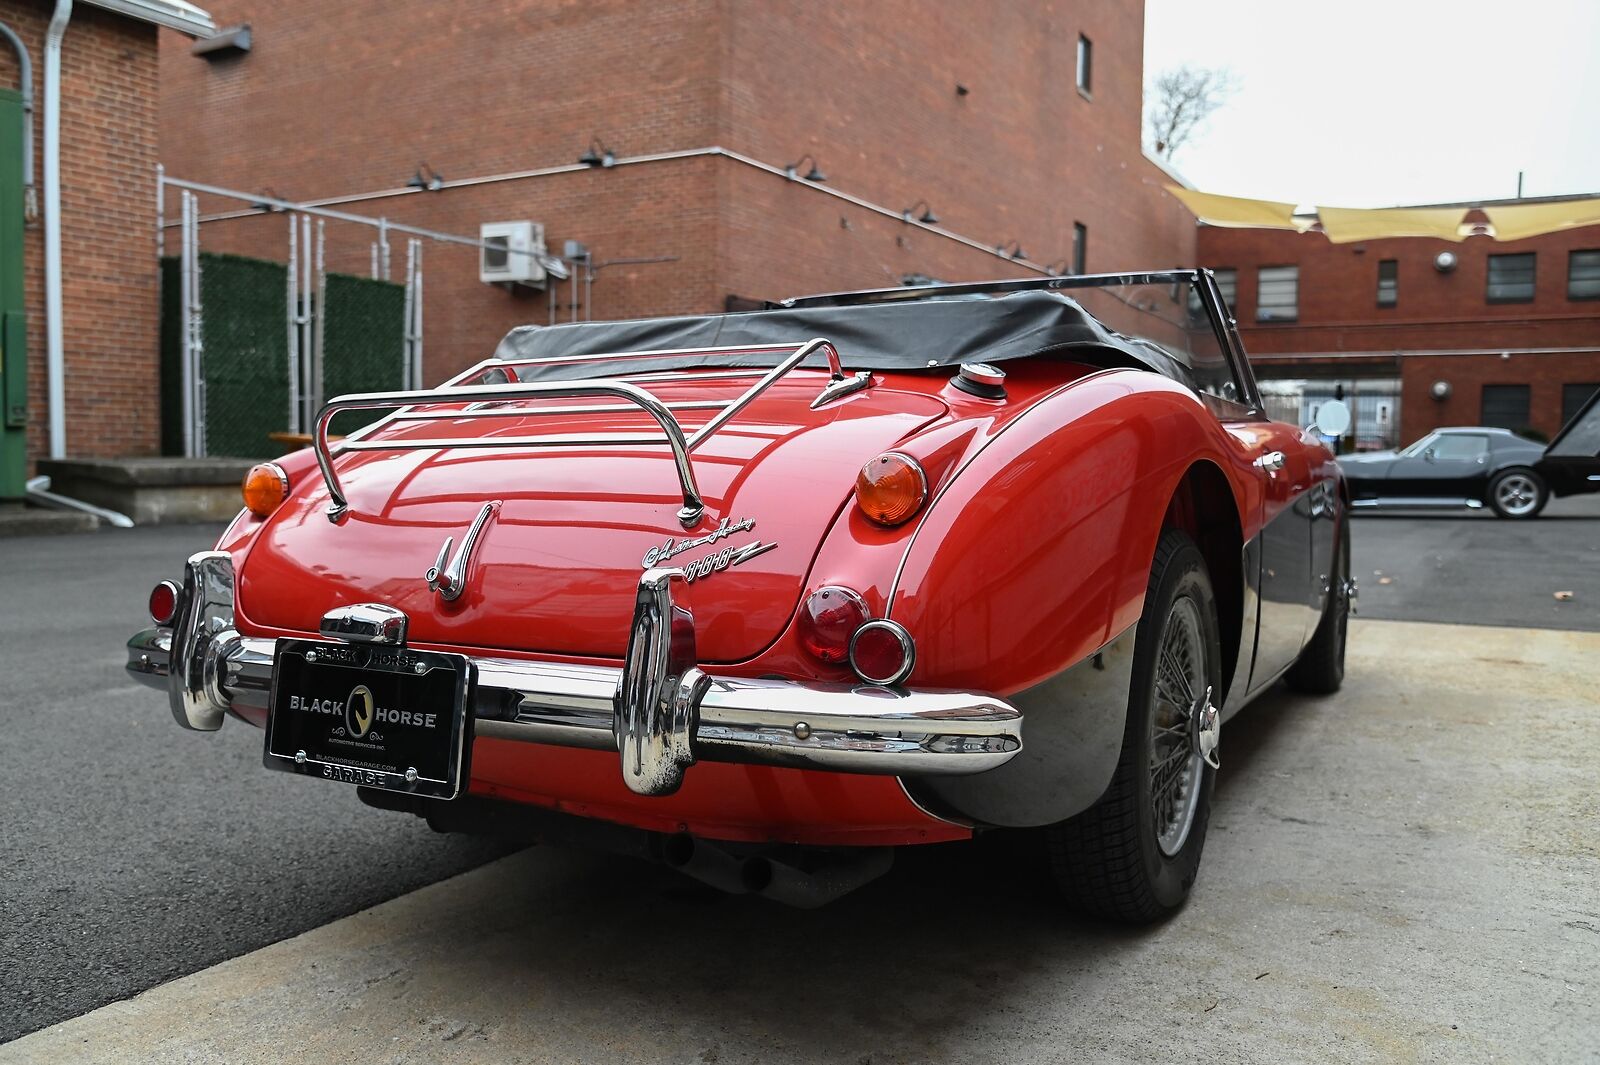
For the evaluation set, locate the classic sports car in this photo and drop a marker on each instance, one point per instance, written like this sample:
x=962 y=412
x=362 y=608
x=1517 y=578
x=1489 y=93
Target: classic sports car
x=765 y=595
x=1472 y=466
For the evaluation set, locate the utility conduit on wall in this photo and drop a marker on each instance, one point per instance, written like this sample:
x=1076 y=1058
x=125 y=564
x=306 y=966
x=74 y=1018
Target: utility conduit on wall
x=639 y=160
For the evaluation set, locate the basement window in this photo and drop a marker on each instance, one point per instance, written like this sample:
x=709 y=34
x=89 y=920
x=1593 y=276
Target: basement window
x=1085 y=63
x=1583 y=275
x=1388 y=282
x=1511 y=278
x=1278 y=294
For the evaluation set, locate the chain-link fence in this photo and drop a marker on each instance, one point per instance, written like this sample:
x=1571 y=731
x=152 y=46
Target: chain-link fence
x=251 y=348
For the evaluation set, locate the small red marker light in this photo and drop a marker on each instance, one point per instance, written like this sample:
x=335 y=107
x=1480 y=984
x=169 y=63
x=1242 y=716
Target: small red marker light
x=882 y=652
x=828 y=618
x=163 y=602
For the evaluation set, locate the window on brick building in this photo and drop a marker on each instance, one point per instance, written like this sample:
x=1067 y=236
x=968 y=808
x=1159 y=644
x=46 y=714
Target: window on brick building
x=1506 y=406
x=1573 y=397
x=1388 y=282
x=1277 y=293
x=1085 y=63
x=1511 y=278
x=1583 y=275
x=1080 y=248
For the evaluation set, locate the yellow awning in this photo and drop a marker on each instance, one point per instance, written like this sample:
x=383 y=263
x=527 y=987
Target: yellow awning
x=1342 y=225
x=1515 y=221
x=1235 y=212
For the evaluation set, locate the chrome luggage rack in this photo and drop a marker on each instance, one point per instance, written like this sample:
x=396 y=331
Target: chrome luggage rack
x=622 y=387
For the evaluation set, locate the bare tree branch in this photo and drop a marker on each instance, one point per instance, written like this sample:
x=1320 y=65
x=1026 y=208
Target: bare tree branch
x=1179 y=101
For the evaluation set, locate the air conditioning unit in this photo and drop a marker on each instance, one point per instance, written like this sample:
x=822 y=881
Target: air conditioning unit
x=512 y=253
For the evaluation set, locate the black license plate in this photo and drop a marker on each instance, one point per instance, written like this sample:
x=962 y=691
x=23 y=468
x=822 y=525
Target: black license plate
x=371 y=714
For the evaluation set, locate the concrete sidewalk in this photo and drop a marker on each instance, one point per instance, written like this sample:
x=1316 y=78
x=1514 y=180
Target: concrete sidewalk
x=1409 y=871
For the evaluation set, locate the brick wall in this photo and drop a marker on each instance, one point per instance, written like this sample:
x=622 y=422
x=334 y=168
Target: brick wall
x=342 y=99
x=1435 y=312
x=108 y=156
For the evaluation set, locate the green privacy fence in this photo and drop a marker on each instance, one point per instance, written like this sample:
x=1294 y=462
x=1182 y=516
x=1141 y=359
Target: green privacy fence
x=363 y=343
x=245 y=365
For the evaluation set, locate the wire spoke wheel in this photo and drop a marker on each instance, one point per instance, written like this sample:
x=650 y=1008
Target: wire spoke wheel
x=1175 y=765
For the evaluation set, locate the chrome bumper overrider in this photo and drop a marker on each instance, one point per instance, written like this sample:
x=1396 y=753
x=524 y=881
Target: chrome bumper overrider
x=659 y=710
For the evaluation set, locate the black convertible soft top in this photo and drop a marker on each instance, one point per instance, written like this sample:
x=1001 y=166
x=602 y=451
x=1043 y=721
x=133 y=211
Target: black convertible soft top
x=902 y=335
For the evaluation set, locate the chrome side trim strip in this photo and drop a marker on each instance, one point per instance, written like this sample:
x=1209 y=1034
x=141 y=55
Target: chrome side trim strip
x=1416 y=501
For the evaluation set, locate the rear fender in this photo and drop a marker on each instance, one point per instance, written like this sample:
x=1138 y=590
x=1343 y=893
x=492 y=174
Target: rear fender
x=1028 y=573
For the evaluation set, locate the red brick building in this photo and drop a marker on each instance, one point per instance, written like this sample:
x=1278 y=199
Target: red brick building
x=1016 y=124
x=1505 y=333
x=108 y=77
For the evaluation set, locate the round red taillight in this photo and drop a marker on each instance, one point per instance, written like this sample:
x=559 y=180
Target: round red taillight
x=828 y=618
x=882 y=652
x=163 y=602
x=891 y=488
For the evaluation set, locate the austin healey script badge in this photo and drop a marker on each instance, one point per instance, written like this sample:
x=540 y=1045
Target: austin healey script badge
x=716 y=561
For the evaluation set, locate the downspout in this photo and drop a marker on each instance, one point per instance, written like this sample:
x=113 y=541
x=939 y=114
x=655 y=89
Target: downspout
x=30 y=199
x=55 y=356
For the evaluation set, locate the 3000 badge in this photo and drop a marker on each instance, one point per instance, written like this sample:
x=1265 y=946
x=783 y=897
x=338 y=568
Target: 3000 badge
x=378 y=716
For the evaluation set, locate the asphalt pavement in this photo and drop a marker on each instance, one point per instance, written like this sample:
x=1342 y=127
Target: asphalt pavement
x=1476 y=569
x=131 y=851
x=1404 y=872
x=135 y=853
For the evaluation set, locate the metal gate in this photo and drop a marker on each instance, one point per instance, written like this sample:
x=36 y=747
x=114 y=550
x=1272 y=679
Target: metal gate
x=252 y=348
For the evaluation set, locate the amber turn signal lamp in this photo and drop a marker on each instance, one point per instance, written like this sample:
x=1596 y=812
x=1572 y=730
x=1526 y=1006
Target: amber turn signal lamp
x=891 y=488
x=828 y=618
x=163 y=603
x=265 y=488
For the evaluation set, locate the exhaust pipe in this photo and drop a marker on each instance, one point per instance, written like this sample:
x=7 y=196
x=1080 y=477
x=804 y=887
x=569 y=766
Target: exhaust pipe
x=808 y=889
x=704 y=861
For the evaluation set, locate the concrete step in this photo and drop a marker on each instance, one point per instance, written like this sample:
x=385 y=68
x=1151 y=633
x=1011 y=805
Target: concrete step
x=21 y=519
x=153 y=491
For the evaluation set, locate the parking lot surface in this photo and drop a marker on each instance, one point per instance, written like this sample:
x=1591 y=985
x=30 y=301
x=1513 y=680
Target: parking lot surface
x=1406 y=856
x=1472 y=567
x=1403 y=872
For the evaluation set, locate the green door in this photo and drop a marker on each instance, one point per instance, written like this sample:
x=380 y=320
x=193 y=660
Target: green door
x=13 y=322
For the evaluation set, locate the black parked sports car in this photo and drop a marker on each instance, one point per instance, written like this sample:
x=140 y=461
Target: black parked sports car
x=1473 y=466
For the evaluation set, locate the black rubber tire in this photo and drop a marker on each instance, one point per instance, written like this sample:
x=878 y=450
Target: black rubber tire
x=1492 y=495
x=1106 y=861
x=1320 y=668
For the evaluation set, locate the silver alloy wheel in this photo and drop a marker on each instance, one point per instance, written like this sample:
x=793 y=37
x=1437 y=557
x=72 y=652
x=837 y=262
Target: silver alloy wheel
x=1516 y=494
x=1175 y=764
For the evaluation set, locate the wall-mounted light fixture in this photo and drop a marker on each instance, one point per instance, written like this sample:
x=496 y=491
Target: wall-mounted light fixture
x=927 y=217
x=1011 y=250
x=1440 y=390
x=814 y=174
x=426 y=179
x=597 y=154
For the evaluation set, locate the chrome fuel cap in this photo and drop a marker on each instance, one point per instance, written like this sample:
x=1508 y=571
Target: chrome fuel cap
x=982 y=379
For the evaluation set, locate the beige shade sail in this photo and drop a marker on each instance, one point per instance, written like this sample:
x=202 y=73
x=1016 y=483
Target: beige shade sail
x=1342 y=225
x=1515 y=221
x=1236 y=212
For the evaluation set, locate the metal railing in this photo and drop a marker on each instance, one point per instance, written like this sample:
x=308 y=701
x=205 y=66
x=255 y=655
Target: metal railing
x=618 y=388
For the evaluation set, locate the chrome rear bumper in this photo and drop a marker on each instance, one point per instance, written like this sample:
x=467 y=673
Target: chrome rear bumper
x=659 y=710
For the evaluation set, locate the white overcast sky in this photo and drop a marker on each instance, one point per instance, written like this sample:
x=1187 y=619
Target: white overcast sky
x=1374 y=103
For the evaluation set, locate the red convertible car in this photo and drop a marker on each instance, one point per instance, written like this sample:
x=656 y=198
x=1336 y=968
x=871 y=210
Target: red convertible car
x=766 y=595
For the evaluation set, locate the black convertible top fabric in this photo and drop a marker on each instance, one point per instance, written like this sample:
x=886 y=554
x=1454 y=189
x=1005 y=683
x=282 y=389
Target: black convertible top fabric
x=904 y=335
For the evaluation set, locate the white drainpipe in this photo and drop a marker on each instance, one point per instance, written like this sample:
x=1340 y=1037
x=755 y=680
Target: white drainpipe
x=55 y=355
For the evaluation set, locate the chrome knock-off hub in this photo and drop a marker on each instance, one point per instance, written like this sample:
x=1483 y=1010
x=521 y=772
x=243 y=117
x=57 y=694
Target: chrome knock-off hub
x=1205 y=729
